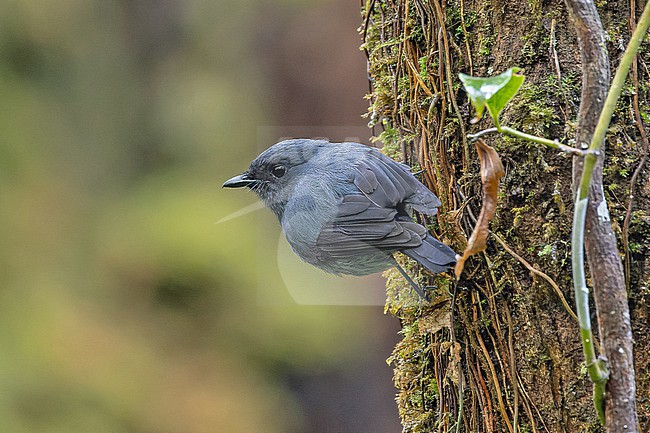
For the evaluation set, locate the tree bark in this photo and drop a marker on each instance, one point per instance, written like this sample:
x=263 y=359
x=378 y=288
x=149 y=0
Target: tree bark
x=610 y=294
x=500 y=352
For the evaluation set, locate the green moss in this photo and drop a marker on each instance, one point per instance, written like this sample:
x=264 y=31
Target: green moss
x=519 y=214
x=410 y=360
x=546 y=251
x=485 y=45
x=535 y=109
x=455 y=24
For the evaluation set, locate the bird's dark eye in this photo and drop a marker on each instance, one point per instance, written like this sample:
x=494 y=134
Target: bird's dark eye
x=279 y=170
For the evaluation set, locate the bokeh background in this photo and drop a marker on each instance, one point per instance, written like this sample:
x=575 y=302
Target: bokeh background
x=131 y=300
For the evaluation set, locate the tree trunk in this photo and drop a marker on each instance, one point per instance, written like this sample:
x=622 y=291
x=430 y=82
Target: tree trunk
x=500 y=351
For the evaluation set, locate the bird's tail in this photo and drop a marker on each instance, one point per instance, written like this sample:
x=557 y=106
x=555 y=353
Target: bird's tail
x=432 y=254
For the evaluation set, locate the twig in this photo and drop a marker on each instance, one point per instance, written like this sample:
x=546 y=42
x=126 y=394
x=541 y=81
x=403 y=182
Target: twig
x=416 y=74
x=458 y=364
x=539 y=273
x=539 y=415
x=556 y=64
x=466 y=37
x=555 y=144
x=644 y=154
x=495 y=380
x=366 y=23
x=450 y=89
x=630 y=204
x=513 y=369
x=553 y=51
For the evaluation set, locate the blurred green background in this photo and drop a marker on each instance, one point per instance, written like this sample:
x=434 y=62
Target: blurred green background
x=129 y=302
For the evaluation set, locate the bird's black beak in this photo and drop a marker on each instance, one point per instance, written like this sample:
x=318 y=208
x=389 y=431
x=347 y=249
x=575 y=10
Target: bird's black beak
x=239 y=181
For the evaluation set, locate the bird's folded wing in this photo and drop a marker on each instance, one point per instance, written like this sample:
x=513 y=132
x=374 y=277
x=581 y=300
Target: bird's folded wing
x=387 y=183
x=361 y=227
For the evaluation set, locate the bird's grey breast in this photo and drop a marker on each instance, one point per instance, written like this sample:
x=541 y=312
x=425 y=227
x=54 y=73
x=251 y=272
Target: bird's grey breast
x=315 y=199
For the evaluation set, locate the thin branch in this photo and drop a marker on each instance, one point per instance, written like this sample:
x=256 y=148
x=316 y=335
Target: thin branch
x=495 y=380
x=513 y=371
x=644 y=154
x=598 y=372
x=539 y=273
x=614 y=93
x=555 y=144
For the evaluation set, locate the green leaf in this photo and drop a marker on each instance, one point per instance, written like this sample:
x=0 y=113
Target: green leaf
x=492 y=93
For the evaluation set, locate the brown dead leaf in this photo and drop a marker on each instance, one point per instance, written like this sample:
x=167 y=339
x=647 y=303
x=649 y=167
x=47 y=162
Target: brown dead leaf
x=491 y=172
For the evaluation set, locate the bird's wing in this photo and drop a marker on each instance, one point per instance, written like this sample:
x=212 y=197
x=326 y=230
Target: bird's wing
x=362 y=227
x=374 y=218
x=389 y=184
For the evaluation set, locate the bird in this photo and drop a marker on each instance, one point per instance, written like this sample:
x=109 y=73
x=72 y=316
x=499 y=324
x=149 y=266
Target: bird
x=346 y=208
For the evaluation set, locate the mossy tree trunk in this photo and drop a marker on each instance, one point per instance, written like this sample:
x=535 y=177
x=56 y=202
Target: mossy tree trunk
x=500 y=351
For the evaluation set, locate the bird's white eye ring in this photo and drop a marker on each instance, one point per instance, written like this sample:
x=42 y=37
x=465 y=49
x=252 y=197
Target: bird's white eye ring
x=279 y=171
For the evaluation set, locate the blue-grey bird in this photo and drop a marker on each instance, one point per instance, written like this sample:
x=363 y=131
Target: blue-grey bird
x=345 y=207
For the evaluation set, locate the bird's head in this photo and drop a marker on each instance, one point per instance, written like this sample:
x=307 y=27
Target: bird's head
x=274 y=174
